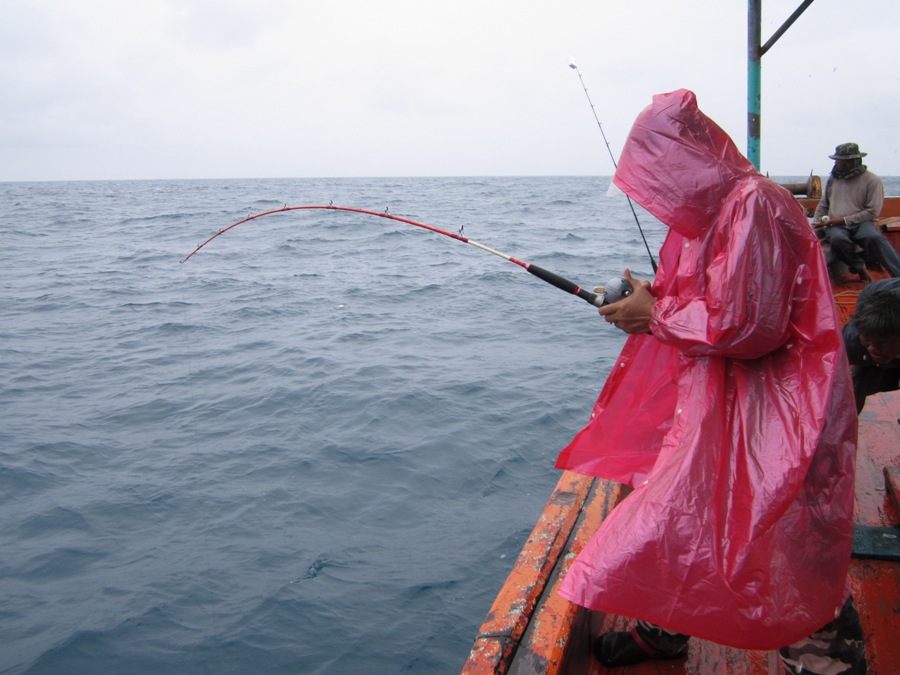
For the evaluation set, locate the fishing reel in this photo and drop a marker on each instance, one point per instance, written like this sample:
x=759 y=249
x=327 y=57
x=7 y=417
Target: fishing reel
x=615 y=289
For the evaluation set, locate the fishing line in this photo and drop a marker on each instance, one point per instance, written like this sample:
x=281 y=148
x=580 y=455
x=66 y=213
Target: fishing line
x=616 y=166
x=616 y=289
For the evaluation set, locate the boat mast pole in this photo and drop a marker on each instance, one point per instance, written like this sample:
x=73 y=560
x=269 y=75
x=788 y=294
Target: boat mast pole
x=755 y=51
x=754 y=58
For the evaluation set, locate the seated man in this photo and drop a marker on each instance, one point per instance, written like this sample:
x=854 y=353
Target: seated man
x=852 y=201
x=872 y=338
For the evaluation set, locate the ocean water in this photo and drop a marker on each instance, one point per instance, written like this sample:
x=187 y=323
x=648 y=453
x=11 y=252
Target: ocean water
x=315 y=447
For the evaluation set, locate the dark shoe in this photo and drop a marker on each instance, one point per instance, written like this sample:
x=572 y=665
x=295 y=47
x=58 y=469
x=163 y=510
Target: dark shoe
x=615 y=650
x=864 y=276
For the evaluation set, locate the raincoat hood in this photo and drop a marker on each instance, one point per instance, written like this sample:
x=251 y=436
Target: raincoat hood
x=701 y=163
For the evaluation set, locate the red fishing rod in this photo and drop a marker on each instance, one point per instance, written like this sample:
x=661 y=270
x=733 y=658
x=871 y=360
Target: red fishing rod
x=615 y=290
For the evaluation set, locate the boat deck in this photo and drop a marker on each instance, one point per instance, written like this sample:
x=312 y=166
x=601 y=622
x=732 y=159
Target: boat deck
x=530 y=629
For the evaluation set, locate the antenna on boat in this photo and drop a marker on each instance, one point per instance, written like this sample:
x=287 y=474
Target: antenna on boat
x=574 y=67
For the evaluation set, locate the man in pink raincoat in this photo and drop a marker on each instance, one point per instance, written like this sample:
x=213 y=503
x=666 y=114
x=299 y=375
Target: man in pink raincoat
x=729 y=411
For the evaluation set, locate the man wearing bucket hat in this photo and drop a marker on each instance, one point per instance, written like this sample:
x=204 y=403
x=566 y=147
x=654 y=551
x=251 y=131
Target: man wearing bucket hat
x=847 y=212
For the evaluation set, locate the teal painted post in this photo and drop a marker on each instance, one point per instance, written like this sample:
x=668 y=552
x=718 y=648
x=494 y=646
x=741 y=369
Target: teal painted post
x=754 y=77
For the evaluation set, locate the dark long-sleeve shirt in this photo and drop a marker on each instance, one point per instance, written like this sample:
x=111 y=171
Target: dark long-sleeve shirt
x=856 y=353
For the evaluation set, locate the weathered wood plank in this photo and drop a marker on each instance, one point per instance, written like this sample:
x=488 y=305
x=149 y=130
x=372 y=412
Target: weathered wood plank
x=511 y=612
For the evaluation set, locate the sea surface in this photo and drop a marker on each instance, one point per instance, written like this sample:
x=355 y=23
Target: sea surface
x=317 y=446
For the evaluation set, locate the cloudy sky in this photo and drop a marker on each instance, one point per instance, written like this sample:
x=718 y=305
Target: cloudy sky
x=107 y=89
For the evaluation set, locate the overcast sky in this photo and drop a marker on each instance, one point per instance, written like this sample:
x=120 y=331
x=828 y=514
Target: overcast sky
x=114 y=89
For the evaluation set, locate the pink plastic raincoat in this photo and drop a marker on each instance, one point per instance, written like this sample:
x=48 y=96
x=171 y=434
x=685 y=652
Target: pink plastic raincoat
x=734 y=421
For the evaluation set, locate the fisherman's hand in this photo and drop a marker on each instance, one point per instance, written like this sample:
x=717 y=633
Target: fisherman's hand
x=632 y=314
x=826 y=221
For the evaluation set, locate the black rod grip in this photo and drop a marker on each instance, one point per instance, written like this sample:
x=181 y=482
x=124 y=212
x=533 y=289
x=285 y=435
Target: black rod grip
x=563 y=284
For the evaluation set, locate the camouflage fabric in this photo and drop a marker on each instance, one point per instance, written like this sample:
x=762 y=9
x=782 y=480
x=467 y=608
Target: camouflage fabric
x=847 y=151
x=838 y=648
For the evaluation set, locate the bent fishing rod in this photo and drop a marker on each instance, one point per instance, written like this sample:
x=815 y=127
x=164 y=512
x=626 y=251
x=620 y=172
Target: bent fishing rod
x=615 y=166
x=615 y=290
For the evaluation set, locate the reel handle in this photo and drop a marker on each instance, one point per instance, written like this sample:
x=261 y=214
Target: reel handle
x=616 y=289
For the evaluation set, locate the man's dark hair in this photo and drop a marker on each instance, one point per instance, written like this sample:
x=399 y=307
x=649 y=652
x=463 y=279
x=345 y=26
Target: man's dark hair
x=878 y=314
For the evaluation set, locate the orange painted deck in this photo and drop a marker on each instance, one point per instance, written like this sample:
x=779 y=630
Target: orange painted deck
x=530 y=629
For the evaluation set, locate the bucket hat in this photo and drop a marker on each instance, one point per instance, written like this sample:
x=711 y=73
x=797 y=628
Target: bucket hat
x=847 y=151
